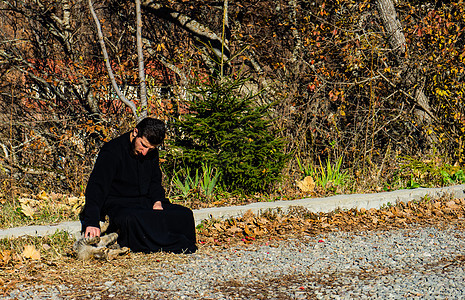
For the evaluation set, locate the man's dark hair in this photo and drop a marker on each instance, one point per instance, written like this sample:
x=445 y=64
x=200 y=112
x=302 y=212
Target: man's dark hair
x=152 y=129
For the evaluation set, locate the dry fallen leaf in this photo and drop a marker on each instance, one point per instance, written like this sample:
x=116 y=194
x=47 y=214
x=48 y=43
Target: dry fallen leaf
x=76 y=203
x=42 y=195
x=275 y=224
x=27 y=210
x=234 y=230
x=306 y=185
x=31 y=252
x=248 y=232
x=451 y=204
x=72 y=200
x=55 y=196
x=5 y=257
x=26 y=200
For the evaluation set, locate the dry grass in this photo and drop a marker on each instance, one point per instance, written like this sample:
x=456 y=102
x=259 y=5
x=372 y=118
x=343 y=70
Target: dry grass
x=40 y=209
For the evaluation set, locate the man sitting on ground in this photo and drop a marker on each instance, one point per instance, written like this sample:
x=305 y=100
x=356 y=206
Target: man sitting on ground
x=126 y=185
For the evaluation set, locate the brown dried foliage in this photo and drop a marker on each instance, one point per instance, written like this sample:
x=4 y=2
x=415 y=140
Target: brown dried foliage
x=298 y=221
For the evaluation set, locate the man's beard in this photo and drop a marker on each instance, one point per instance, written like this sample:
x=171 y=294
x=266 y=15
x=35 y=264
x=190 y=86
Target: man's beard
x=132 y=150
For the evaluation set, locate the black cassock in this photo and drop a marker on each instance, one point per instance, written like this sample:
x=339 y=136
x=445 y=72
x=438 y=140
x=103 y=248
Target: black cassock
x=125 y=188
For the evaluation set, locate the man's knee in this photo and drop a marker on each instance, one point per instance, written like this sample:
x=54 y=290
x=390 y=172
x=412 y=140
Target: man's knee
x=131 y=218
x=180 y=209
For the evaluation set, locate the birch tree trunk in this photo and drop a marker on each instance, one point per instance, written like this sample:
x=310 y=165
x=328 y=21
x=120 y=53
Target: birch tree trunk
x=140 y=58
x=141 y=113
x=224 y=40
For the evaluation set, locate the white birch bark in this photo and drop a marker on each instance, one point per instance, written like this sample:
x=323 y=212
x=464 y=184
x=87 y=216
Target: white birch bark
x=140 y=55
x=129 y=103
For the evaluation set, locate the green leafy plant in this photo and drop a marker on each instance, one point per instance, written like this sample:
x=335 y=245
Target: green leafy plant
x=187 y=181
x=412 y=184
x=428 y=172
x=457 y=177
x=209 y=179
x=304 y=169
x=331 y=175
x=328 y=176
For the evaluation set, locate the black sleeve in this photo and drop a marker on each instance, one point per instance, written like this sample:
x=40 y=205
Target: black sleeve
x=157 y=192
x=98 y=186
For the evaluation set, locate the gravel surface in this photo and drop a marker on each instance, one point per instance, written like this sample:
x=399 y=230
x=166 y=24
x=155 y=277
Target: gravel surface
x=415 y=263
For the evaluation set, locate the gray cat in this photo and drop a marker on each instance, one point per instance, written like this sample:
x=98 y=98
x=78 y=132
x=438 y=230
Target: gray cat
x=103 y=247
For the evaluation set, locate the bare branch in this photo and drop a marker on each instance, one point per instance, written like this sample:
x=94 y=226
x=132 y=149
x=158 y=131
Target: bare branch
x=130 y=104
x=200 y=31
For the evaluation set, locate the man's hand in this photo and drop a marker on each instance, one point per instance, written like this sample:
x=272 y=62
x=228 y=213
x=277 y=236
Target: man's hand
x=157 y=206
x=92 y=231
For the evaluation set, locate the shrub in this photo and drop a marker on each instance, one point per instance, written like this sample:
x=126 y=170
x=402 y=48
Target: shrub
x=231 y=133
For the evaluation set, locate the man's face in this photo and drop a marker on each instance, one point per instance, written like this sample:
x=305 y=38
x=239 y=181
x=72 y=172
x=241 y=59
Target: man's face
x=140 y=145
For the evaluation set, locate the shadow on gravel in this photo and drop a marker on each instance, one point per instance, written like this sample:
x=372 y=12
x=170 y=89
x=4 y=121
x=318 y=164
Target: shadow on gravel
x=315 y=285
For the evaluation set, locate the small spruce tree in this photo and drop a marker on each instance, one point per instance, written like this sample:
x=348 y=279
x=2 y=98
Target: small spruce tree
x=233 y=134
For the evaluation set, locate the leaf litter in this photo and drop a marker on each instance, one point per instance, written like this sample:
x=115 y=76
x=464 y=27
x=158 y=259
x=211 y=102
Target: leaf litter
x=31 y=205
x=298 y=221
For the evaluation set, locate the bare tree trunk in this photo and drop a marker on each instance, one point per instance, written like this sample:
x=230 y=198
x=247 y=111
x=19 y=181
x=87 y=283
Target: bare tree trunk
x=396 y=38
x=392 y=25
x=296 y=53
x=140 y=56
x=223 y=36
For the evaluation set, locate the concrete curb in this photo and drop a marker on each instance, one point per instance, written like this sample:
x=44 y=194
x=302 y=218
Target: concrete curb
x=328 y=204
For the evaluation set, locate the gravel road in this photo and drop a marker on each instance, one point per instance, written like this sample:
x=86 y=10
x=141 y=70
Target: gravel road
x=414 y=263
